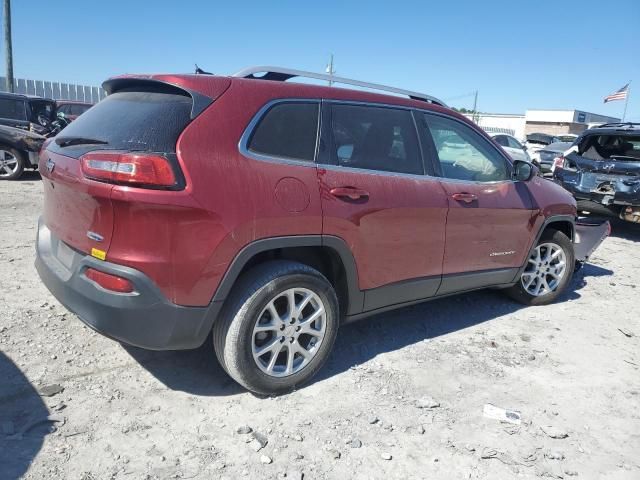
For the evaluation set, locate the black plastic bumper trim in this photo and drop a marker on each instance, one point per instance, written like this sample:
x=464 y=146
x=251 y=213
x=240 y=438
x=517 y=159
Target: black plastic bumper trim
x=145 y=319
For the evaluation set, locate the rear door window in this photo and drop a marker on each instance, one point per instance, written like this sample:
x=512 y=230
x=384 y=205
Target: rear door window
x=375 y=138
x=14 y=109
x=287 y=130
x=146 y=121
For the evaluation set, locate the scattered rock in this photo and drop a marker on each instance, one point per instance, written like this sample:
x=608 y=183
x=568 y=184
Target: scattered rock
x=244 y=429
x=335 y=454
x=266 y=459
x=571 y=473
x=259 y=441
x=554 y=432
x=355 y=443
x=373 y=420
x=554 y=455
x=298 y=438
x=50 y=390
x=427 y=402
x=386 y=456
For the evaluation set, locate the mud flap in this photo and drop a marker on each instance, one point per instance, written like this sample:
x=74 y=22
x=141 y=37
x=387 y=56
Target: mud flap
x=588 y=237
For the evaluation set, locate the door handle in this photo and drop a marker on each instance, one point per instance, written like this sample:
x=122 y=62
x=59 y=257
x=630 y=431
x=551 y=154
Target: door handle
x=464 y=197
x=349 y=192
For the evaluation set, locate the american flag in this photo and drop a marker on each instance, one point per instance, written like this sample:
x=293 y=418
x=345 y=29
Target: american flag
x=618 y=94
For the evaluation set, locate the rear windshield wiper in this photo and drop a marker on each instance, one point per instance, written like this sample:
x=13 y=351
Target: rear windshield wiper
x=69 y=141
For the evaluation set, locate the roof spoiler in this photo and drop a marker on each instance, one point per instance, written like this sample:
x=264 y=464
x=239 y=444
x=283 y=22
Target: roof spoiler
x=200 y=101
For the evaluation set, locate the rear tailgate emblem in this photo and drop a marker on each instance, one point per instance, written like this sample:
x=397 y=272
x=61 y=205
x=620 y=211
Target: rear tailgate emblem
x=50 y=165
x=95 y=236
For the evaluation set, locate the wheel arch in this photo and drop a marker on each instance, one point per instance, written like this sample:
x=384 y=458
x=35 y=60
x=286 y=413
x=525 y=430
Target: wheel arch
x=328 y=254
x=563 y=223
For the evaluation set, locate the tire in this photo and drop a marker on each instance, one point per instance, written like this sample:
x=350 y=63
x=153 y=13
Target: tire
x=11 y=171
x=249 y=307
x=550 y=239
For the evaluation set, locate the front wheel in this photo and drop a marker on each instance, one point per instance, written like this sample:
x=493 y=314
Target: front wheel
x=548 y=270
x=277 y=328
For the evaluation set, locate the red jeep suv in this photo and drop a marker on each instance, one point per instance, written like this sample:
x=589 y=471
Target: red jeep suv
x=271 y=212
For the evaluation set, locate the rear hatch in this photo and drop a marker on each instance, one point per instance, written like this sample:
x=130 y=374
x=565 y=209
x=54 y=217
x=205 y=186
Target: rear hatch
x=140 y=117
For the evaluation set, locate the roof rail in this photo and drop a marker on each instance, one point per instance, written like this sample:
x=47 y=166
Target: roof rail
x=618 y=124
x=283 y=74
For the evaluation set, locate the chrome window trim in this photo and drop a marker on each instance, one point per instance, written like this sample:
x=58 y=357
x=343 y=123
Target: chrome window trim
x=243 y=144
x=246 y=135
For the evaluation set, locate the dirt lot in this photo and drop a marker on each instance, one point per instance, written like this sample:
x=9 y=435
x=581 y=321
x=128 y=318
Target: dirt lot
x=402 y=396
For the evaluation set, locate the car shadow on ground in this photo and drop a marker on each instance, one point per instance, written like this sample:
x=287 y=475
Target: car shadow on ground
x=29 y=176
x=198 y=372
x=20 y=408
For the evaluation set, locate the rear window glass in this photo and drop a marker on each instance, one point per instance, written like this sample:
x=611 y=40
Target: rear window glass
x=134 y=121
x=287 y=130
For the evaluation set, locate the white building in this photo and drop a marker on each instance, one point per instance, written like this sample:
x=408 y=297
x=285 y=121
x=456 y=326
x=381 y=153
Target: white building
x=553 y=122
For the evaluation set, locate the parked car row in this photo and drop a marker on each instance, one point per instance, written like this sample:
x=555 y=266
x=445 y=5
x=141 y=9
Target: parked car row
x=600 y=167
x=602 y=170
x=25 y=122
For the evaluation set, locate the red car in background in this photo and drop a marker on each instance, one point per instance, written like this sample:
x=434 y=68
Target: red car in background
x=270 y=213
x=71 y=108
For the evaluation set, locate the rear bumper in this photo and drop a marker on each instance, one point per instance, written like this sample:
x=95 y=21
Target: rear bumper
x=144 y=318
x=605 y=189
x=588 y=237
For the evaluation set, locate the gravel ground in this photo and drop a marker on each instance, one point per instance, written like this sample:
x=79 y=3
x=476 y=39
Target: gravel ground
x=402 y=396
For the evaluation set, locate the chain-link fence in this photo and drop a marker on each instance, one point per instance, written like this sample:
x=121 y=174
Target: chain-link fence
x=55 y=90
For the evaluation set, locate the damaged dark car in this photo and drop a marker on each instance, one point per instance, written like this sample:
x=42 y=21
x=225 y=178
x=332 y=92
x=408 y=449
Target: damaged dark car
x=25 y=123
x=602 y=170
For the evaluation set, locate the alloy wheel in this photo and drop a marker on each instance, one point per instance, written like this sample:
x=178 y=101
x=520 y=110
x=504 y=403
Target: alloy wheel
x=288 y=332
x=545 y=270
x=8 y=163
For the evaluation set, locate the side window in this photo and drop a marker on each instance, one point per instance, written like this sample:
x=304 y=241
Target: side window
x=501 y=140
x=64 y=109
x=375 y=138
x=14 y=109
x=77 y=109
x=463 y=153
x=287 y=130
x=513 y=143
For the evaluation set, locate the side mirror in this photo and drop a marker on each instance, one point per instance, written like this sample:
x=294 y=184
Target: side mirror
x=522 y=171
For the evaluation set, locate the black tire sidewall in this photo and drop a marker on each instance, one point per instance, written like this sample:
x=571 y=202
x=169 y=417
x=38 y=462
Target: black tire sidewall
x=237 y=355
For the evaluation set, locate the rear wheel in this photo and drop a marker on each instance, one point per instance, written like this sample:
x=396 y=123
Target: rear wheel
x=548 y=271
x=12 y=163
x=277 y=328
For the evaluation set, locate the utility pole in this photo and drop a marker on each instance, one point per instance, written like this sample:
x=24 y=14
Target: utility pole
x=475 y=106
x=8 y=50
x=330 y=70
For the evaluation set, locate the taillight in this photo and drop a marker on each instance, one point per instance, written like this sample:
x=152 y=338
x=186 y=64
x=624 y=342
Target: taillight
x=558 y=162
x=108 y=281
x=139 y=169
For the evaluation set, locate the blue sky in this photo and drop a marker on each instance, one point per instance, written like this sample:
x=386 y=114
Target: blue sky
x=547 y=54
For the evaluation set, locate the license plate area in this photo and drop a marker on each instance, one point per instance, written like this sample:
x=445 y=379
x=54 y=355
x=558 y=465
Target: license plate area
x=65 y=255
